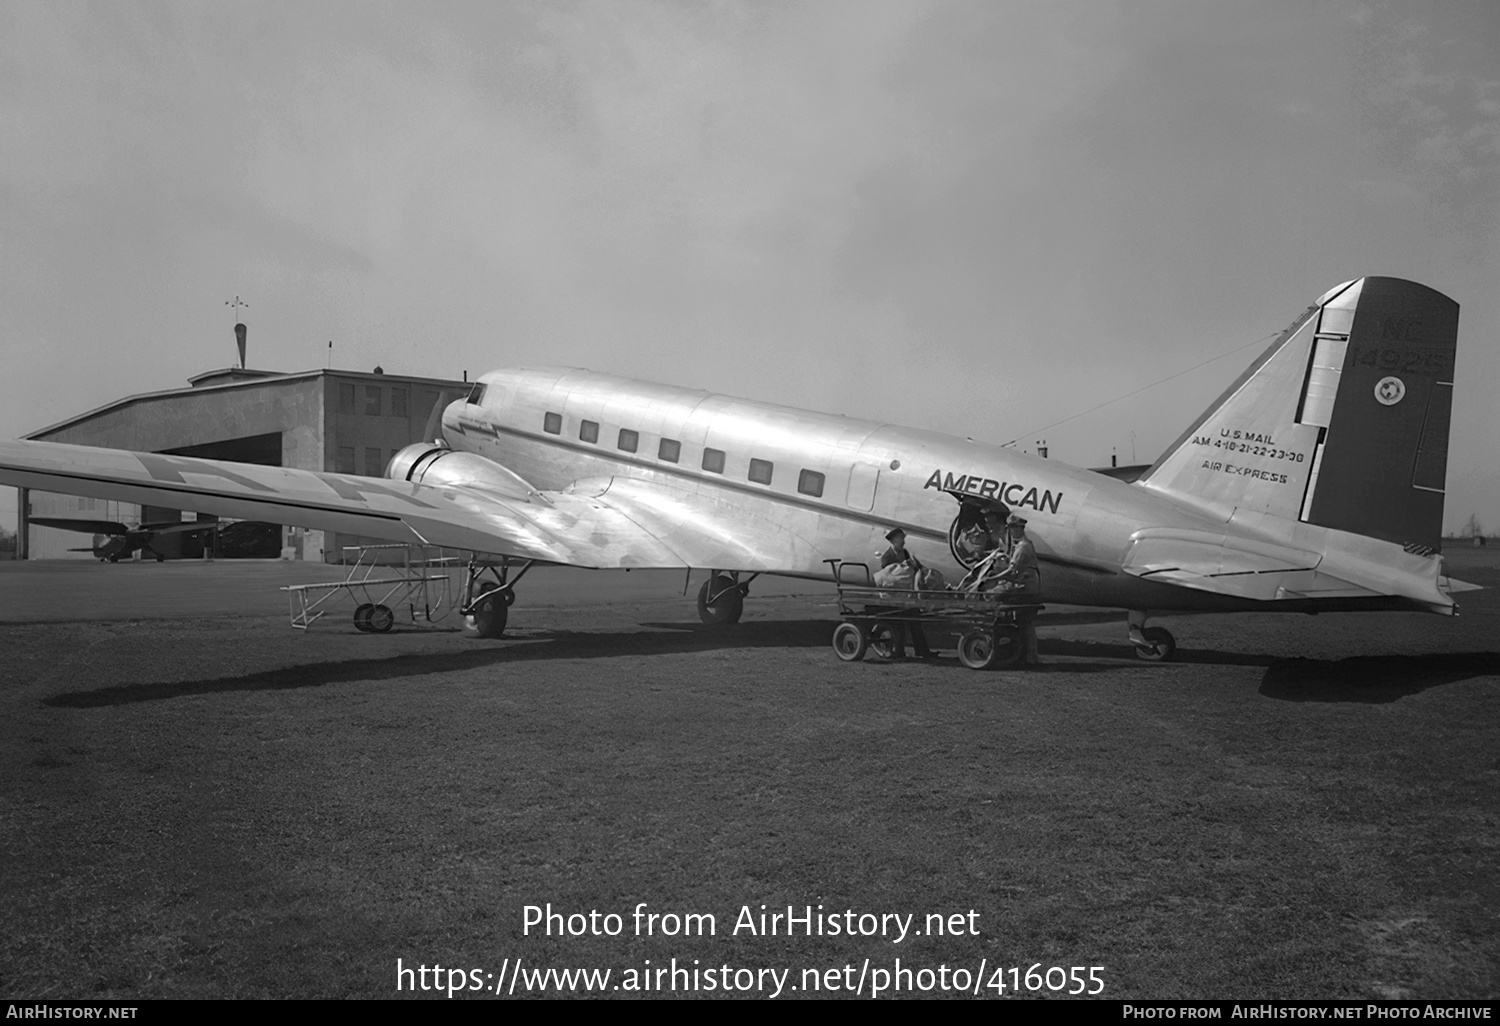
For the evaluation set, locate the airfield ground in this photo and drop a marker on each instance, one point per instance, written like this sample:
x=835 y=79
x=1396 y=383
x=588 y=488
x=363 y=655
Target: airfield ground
x=198 y=801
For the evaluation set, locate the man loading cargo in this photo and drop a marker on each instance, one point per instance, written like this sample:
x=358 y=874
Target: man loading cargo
x=897 y=555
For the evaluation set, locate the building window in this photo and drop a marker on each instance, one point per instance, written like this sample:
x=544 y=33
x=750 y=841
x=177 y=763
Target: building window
x=713 y=460
x=588 y=431
x=760 y=471
x=343 y=462
x=552 y=423
x=398 y=402
x=374 y=465
x=670 y=450
x=630 y=440
x=810 y=482
x=372 y=400
x=346 y=398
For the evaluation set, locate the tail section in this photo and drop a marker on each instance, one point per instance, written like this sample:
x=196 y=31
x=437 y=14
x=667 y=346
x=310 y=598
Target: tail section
x=1342 y=422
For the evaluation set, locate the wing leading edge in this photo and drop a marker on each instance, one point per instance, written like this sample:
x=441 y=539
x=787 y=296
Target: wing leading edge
x=598 y=524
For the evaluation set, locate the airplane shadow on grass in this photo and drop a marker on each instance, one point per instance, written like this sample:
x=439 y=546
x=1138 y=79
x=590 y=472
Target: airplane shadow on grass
x=1373 y=679
x=1365 y=678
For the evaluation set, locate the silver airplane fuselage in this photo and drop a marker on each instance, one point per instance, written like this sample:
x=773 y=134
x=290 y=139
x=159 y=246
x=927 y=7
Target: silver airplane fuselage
x=840 y=483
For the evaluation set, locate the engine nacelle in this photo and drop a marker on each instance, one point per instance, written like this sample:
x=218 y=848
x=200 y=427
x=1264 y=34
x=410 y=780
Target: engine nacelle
x=437 y=466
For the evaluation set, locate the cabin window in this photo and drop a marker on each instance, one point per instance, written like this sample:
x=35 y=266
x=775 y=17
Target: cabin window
x=476 y=395
x=670 y=450
x=630 y=440
x=589 y=431
x=713 y=460
x=372 y=400
x=346 y=398
x=760 y=471
x=810 y=482
x=398 y=402
x=552 y=423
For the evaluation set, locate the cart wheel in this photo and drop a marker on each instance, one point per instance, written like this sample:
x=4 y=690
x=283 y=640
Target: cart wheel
x=381 y=619
x=726 y=607
x=849 y=642
x=486 y=619
x=885 y=641
x=988 y=650
x=362 y=616
x=1010 y=647
x=976 y=650
x=1161 y=645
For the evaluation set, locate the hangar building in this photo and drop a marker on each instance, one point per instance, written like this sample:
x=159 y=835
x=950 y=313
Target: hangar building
x=332 y=420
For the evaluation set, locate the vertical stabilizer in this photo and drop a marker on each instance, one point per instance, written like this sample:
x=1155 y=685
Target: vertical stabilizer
x=1342 y=422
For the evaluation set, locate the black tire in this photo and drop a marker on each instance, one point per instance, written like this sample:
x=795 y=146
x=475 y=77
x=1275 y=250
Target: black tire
x=362 y=615
x=728 y=604
x=382 y=619
x=1160 y=647
x=1010 y=647
x=489 y=613
x=160 y=558
x=849 y=642
x=885 y=641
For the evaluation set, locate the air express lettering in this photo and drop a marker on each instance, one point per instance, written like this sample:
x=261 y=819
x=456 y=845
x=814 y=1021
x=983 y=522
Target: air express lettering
x=1016 y=496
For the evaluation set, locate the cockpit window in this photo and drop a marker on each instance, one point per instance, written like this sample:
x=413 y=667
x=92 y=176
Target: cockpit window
x=476 y=394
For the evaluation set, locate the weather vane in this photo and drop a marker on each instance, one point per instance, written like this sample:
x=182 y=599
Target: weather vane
x=237 y=304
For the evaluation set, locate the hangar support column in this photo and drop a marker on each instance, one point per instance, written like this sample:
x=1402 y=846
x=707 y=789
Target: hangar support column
x=23 y=522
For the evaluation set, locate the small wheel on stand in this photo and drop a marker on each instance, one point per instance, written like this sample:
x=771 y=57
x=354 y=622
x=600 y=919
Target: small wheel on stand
x=1160 y=645
x=362 y=616
x=381 y=619
x=849 y=642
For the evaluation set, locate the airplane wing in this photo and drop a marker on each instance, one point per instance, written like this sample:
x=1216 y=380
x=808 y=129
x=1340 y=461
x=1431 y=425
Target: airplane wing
x=598 y=523
x=86 y=526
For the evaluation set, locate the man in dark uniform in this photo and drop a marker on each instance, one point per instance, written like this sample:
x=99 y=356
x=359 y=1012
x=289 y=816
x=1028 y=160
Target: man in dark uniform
x=897 y=555
x=1022 y=578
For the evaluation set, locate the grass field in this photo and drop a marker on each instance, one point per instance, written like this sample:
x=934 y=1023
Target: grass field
x=199 y=802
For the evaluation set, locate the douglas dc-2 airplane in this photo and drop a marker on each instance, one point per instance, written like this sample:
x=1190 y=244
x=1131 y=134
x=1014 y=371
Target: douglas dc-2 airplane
x=1314 y=483
x=114 y=542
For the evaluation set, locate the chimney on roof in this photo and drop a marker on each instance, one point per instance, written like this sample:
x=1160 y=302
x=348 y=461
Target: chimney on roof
x=239 y=337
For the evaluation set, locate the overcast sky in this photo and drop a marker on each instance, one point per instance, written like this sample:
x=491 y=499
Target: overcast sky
x=974 y=217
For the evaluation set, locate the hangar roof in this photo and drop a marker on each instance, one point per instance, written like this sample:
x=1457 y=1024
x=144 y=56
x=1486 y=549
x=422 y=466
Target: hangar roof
x=240 y=378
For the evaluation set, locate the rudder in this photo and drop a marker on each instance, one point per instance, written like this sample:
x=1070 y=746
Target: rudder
x=1342 y=422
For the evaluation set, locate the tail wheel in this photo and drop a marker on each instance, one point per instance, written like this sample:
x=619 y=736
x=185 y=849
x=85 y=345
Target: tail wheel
x=720 y=600
x=1160 y=645
x=849 y=642
x=491 y=609
x=381 y=619
x=885 y=641
x=362 y=616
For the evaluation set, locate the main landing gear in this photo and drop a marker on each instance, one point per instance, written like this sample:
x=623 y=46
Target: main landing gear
x=486 y=606
x=721 y=600
x=1153 y=644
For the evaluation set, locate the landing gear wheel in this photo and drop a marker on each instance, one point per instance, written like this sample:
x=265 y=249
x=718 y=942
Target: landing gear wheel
x=381 y=619
x=849 y=642
x=160 y=558
x=728 y=601
x=885 y=641
x=490 y=611
x=362 y=616
x=1160 y=647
